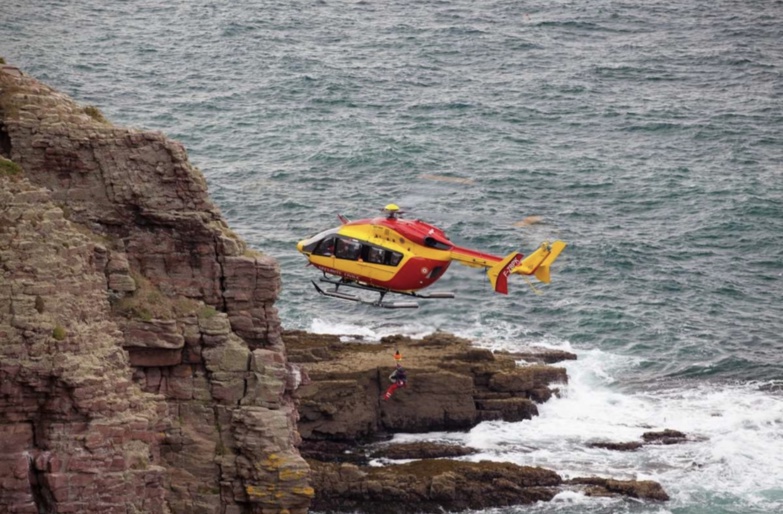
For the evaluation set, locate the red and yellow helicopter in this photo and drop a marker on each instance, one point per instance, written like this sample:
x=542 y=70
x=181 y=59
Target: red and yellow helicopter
x=389 y=254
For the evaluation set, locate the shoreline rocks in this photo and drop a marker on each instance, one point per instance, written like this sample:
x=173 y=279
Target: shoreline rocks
x=452 y=385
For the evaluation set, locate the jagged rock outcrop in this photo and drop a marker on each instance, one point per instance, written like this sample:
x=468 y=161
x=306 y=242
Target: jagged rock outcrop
x=667 y=436
x=451 y=386
x=142 y=362
x=438 y=485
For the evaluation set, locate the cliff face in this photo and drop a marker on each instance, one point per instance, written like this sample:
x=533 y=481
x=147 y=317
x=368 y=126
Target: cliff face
x=141 y=359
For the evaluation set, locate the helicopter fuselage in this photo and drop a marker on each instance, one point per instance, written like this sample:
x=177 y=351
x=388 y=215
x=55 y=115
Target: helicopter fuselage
x=388 y=253
x=391 y=254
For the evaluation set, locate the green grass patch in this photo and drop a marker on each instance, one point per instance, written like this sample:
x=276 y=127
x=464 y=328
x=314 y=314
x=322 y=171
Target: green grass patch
x=9 y=168
x=207 y=312
x=95 y=113
x=149 y=302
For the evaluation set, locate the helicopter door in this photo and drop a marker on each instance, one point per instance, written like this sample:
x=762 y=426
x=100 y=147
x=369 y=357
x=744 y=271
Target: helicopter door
x=376 y=262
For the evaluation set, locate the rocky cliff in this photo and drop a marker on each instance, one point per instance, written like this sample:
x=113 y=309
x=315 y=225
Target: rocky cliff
x=141 y=362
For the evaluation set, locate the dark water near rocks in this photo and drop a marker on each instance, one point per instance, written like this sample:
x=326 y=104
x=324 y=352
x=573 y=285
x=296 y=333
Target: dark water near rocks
x=645 y=134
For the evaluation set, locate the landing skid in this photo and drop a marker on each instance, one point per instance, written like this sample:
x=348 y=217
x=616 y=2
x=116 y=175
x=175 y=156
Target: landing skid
x=382 y=292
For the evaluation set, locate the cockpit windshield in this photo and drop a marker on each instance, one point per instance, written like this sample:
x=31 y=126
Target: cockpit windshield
x=311 y=244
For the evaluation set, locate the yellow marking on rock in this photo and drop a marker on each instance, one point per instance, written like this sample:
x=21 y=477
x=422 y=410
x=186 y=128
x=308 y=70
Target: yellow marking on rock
x=304 y=491
x=272 y=462
x=286 y=475
x=255 y=491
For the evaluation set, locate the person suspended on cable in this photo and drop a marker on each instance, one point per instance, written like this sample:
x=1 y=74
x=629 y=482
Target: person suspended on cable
x=399 y=378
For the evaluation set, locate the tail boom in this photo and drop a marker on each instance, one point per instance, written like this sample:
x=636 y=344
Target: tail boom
x=499 y=268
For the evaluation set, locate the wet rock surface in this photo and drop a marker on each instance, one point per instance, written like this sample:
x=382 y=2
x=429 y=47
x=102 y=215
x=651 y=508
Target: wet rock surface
x=423 y=450
x=620 y=447
x=667 y=436
x=641 y=489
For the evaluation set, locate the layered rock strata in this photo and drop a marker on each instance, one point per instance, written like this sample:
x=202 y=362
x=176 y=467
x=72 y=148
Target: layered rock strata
x=142 y=363
x=76 y=434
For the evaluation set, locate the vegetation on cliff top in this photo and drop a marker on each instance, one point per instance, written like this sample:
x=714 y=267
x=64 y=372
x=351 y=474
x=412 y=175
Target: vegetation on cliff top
x=95 y=113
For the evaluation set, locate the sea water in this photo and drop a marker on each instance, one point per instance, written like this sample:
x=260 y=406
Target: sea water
x=645 y=134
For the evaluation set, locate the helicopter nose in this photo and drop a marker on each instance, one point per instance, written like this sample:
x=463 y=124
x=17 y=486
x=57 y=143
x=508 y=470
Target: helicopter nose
x=300 y=246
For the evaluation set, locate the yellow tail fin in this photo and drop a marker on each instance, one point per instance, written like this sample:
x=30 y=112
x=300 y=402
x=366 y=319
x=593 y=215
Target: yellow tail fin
x=538 y=262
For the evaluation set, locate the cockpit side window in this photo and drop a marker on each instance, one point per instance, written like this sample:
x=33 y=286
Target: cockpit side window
x=325 y=247
x=377 y=255
x=347 y=248
x=393 y=258
x=374 y=254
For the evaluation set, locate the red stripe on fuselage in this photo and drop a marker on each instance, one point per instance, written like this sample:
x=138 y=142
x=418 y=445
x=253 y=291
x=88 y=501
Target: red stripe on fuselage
x=413 y=230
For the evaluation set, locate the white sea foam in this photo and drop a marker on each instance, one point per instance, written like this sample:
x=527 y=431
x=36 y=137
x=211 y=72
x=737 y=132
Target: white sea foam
x=371 y=332
x=735 y=432
x=735 y=437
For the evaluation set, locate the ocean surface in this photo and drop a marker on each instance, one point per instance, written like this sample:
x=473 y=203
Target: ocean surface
x=648 y=135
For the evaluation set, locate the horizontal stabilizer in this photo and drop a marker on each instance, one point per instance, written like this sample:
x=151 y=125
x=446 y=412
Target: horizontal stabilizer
x=542 y=272
x=538 y=262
